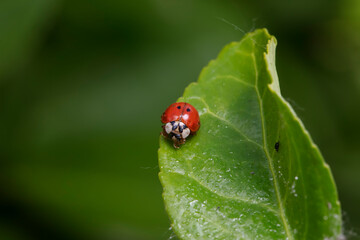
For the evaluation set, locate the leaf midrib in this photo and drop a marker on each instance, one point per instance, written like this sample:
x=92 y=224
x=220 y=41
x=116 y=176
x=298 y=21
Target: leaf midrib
x=276 y=186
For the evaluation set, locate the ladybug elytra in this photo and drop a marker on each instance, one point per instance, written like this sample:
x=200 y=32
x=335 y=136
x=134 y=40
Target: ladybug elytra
x=181 y=119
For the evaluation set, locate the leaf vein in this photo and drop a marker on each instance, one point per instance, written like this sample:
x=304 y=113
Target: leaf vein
x=208 y=111
x=276 y=186
x=231 y=77
x=236 y=198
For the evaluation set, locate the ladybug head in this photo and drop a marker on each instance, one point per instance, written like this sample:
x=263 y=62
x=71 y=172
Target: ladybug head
x=177 y=130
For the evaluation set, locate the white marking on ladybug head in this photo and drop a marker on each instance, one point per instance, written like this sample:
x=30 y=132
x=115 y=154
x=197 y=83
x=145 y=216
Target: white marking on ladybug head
x=185 y=133
x=168 y=128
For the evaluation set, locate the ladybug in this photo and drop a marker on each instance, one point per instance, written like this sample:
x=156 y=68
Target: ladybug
x=180 y=120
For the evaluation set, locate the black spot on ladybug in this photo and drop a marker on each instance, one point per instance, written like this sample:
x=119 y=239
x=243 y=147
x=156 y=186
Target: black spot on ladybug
x=188 y=110
x=277 y=145
x=178 y=107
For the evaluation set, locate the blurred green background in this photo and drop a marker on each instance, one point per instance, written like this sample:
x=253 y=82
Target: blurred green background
x=83 y=85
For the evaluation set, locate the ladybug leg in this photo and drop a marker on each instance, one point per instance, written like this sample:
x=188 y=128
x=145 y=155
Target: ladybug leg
x=163 y=133
x=178 y=142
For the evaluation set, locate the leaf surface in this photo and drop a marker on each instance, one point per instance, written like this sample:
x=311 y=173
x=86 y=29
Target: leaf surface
x=252 y=170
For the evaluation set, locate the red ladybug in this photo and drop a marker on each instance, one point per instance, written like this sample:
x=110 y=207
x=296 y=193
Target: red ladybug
x=181 y=119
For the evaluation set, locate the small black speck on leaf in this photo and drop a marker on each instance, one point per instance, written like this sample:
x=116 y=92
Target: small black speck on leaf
x=277 y=145
x=252 y=173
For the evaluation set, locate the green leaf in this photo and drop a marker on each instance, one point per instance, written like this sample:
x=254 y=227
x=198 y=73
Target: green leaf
x=252 y=170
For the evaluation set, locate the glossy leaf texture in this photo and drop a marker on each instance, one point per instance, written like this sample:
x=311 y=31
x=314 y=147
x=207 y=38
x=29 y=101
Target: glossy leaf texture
x=252 y=170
